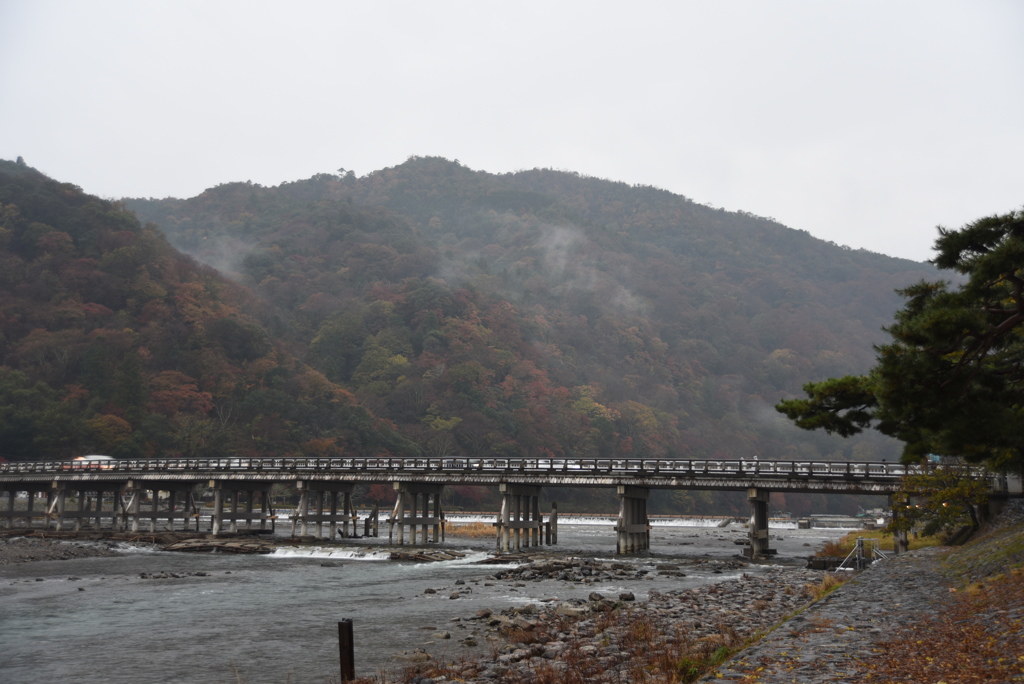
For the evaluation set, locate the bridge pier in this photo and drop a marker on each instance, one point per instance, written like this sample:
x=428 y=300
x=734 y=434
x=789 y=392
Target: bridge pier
x=57 y=502
x=30 y=512
x=90 y=508
x=423 y=501
x=633 y=529
x=219 y=517
x=551 y=528
x=9 y=513
x=79 y=515
x=758 y=534
x=100 y=513
x=520 y=523
x=130 y=509
x=170 y=515
x=324 y=497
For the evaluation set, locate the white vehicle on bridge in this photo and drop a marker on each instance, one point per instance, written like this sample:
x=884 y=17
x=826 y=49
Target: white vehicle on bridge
x=91 y=462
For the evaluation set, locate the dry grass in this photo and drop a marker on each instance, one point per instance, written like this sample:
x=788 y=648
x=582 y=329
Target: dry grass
x=829 y=583
x=842 y=547
x=471 y=529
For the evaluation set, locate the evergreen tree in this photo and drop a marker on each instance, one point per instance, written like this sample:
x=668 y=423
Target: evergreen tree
x=951 y=381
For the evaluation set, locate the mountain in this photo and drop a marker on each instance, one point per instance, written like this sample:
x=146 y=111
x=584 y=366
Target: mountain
x=426 y=308
x=114 y=342
x=546 y=313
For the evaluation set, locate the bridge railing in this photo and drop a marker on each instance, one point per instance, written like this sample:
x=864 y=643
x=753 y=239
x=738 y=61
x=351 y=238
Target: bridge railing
x=452 y=464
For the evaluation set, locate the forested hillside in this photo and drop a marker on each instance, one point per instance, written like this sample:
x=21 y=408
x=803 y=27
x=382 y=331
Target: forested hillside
x=545 y=313
x=425 y=308
x=113 y=342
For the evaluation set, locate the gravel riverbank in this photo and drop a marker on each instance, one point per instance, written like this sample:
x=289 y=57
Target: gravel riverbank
x=613 y=638
x=909 y=618
x=21 y=549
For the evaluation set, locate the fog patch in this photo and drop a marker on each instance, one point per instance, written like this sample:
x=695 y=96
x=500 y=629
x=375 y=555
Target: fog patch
x=559 y=245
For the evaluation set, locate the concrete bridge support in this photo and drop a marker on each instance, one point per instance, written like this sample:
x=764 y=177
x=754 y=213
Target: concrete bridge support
x=519 y=522
x=240 y=502
x=633 y=530
x=144 y=502
x=31 y=510
x=423 y=502
x=758 y=534
x=331 y=503
x=56 y=502
x=96 y=501
x=91 y=511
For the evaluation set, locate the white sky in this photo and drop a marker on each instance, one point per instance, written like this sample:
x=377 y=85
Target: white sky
x=866 y=123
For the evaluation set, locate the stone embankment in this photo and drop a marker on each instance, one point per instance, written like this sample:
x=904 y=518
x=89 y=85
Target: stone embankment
x=843 y=637
x=836 y=637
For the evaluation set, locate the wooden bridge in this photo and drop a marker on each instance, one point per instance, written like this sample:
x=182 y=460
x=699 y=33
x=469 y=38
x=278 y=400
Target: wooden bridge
x=326 y=487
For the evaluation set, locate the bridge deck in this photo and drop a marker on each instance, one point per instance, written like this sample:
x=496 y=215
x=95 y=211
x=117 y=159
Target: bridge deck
x=804 y=476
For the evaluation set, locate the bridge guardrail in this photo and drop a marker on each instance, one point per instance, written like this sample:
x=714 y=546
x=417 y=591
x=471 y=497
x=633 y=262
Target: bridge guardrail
x=663 y=467
x=561 y=471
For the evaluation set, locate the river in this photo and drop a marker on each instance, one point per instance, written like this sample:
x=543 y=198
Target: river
x=273 y=618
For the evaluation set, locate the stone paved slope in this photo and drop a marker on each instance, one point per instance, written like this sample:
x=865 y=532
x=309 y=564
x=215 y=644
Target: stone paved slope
x=824 y=643
x=835 y=639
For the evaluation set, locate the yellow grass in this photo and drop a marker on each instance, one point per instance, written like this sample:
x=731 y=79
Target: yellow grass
x=827 y=585
x=471 y=529
x=845 y=545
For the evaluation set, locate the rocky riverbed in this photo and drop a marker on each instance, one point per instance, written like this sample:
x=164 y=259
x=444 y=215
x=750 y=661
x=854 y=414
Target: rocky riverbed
x=764 y=627
x=612 y=637
x=903 y=619
x=19 y=549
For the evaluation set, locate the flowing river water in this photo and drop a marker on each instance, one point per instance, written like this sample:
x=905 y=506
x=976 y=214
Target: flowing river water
x=273 y=618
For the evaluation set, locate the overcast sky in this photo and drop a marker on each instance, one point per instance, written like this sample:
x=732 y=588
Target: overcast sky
x=865 y=123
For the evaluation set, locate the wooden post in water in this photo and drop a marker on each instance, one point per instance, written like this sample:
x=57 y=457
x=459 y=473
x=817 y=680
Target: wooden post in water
x=346 y=650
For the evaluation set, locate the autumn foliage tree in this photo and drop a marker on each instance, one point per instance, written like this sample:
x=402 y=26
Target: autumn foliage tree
x=941 y=497
x=113 y=342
